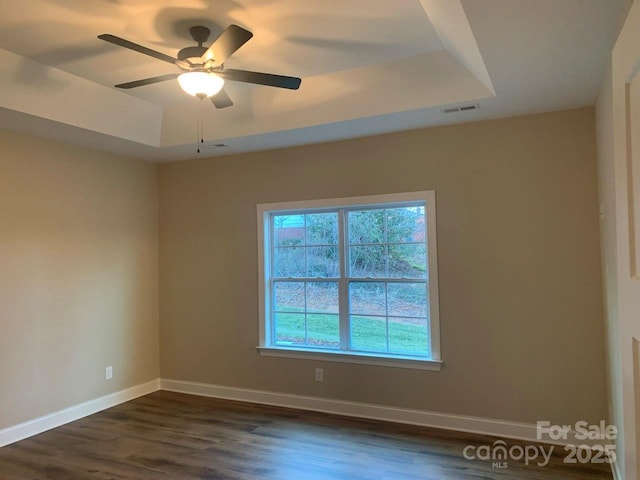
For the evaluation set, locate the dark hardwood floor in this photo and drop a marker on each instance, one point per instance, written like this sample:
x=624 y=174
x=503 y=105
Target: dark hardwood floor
x=178 y=437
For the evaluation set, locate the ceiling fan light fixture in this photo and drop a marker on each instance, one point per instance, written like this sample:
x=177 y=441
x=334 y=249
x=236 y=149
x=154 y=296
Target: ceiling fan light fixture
x=203 y=75
x=200 y=84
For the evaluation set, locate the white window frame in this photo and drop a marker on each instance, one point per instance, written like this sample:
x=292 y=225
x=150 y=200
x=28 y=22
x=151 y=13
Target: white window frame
x=264 y=212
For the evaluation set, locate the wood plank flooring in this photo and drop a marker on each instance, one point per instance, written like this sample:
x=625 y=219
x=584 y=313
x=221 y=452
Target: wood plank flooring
x=178 y=437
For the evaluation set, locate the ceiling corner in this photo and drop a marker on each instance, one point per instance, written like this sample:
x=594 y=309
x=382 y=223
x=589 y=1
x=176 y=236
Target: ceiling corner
x=452 y=26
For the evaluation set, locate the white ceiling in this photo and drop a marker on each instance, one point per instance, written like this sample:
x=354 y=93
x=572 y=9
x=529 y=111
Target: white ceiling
x=368 y=67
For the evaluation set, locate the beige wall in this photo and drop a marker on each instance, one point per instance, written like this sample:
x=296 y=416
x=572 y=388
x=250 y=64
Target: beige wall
x=520 y=291
x=521 y=310
x=78 y=275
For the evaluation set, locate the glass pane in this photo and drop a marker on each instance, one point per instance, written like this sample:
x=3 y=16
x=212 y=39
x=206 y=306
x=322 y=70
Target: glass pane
x=322 y=229
x=369 y=261
x=409 y=261
x=366 y=226
x=408 y=336
x=368 y=334
x=289 y=297
x=322 y=297
x=289 y=262
x=407 y=299
x=290 y=328
x=323 y=262
x=367 y=298
x=323 y=331
x=288 y=230
x=405 y=224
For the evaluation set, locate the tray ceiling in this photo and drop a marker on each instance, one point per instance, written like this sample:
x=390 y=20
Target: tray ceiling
x=368 y=67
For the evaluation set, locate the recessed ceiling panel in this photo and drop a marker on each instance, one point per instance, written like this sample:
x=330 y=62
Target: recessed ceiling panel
x=375 y=64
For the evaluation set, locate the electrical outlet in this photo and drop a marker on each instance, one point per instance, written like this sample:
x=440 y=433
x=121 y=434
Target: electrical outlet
x=319 y=375
x=109 y=373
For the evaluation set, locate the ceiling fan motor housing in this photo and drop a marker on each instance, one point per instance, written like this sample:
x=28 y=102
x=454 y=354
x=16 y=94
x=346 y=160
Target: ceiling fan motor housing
x=200 y=35
x=192 y=54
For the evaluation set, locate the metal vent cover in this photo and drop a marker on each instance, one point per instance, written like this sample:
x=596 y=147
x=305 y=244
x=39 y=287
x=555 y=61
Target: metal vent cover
x=461 y=108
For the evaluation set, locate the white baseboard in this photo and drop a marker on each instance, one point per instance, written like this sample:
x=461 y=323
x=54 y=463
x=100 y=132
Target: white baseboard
x=484 y=426
x=462 y=423
x=53 y=420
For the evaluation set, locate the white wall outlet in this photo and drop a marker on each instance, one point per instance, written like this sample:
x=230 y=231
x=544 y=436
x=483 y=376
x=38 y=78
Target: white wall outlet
x=109 y=373
x=319 y=375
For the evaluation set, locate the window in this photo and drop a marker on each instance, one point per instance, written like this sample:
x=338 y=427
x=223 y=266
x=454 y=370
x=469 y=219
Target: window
x=352 y=279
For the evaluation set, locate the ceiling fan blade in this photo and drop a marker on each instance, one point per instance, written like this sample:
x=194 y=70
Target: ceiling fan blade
x=226 y=44
x=148 y=81
x=221 y=99
x=135 y=47
x=268 y=79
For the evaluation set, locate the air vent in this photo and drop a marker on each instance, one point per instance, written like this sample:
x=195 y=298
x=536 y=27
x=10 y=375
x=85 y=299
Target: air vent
x=461 y=108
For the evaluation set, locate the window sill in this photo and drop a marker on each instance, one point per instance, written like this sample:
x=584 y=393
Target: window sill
x=351 y=357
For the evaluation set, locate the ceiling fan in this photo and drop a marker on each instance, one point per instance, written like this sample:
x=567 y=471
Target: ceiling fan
x=203 y=68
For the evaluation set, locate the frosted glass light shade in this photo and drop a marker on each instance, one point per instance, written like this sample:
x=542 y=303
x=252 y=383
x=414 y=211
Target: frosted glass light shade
x=200 y=84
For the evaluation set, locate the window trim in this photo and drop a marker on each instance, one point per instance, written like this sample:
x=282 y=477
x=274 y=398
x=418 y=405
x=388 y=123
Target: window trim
x=371 y=201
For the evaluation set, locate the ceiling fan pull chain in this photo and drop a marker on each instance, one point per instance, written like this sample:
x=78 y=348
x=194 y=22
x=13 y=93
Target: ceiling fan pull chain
x=201 y=124
x=200 y=129
x=198 y=136
x=201 y=121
